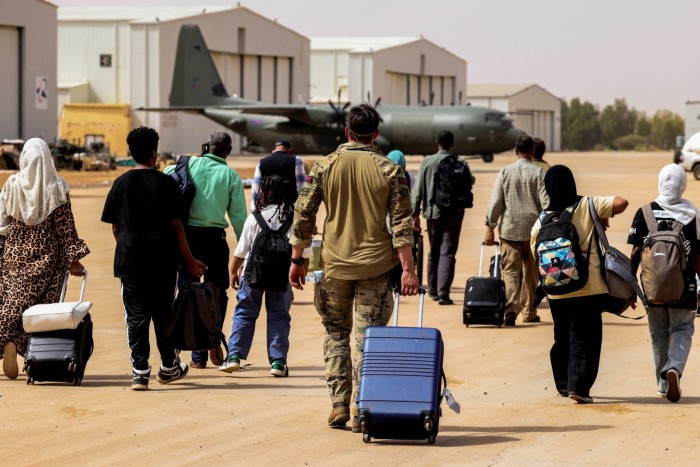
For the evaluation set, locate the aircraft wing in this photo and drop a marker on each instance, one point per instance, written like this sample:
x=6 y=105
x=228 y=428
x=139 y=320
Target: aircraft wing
x=173 y=109
x=309 y=115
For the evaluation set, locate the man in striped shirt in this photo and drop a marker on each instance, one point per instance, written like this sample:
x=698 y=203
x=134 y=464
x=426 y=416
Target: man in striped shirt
x=283 y=163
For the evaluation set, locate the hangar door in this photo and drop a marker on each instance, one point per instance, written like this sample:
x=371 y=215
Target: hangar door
x=9 y=77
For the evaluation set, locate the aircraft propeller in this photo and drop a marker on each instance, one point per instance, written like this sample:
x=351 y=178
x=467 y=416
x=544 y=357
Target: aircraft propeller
x=339 y=117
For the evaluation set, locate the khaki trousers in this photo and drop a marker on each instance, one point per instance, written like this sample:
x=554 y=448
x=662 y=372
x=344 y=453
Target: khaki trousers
x=337 y=301
x=520 y=296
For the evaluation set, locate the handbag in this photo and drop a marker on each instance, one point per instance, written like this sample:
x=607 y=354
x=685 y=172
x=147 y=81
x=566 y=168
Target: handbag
x=56 y=316
x=617 y=271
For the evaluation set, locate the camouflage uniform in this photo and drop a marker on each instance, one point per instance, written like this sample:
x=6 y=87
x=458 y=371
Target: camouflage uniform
x=353 y=281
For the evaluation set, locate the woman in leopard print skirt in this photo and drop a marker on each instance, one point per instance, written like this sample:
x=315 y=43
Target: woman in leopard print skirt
x=38 y=243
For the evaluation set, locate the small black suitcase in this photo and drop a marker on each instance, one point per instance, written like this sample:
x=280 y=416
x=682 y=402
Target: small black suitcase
x=59 y=356
x=485 y=297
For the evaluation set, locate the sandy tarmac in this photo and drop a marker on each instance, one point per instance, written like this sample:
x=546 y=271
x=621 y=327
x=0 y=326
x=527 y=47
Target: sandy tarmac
x=511 y=414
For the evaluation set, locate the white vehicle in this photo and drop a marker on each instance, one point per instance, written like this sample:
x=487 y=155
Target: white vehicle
x=690 y=155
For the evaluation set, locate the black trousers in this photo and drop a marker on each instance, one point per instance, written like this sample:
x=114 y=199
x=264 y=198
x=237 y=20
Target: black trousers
x=149 y=298
x=208 y=245
x=443 y=235
x=578 y=336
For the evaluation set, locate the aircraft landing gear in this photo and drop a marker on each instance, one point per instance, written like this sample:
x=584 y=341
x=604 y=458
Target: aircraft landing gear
x=488 y=157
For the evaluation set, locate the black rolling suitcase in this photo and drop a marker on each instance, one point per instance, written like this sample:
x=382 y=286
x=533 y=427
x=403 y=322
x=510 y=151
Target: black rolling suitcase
x=59 y=356
x=400 y=381
x=485 y=297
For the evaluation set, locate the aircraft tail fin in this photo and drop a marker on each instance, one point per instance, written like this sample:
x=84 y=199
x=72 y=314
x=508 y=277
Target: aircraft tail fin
x=196 y=82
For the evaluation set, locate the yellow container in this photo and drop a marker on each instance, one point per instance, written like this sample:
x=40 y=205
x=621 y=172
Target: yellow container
x=108 y=122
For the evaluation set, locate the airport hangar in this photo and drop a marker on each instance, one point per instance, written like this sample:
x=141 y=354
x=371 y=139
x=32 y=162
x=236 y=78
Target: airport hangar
x=692 y=118
x=399 y=70
x=534 y=109
x=112 y=60
x=28 y=69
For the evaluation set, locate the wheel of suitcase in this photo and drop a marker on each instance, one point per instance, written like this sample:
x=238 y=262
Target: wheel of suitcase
x=366 y=438
x=30 y=381
x=77 y=381
x=431 y=439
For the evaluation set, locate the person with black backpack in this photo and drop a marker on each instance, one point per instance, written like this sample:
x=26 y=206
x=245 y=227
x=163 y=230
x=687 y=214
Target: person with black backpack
x=264 y=255
x=443 y=189
x=218 y=192
x=562 y=241
x=665 y=235
x=517 y=198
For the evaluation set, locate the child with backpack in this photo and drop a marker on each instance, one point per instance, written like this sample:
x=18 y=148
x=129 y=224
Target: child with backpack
x=264 y=255
x=570 y=273
x=666 y=247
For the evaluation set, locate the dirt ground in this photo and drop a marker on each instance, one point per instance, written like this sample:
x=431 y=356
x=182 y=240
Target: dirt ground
x=511 y=413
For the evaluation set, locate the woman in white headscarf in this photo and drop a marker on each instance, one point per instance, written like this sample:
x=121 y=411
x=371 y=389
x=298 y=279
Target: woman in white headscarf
x=38 y=243
x=672 y=325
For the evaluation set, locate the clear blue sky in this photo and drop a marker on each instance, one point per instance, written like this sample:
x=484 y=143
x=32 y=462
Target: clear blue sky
x=646 y=51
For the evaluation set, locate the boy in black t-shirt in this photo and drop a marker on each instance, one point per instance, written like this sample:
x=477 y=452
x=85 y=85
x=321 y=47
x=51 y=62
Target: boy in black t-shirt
x=144 y=207
x=671 y=327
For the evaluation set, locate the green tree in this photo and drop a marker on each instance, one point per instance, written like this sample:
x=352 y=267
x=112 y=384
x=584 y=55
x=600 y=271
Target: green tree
x=643 y=126
x=580 y=129
x=665 y=125
x=616 y=121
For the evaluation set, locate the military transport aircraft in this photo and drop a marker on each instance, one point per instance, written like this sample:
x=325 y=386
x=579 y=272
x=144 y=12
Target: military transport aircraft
x=318 y=129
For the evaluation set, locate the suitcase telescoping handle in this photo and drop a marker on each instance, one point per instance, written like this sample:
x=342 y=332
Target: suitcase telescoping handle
x=65 y=285
x=421 y=302
x=497 y=262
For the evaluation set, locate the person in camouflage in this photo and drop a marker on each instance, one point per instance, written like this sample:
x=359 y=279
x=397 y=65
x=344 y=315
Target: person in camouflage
x=358 y=186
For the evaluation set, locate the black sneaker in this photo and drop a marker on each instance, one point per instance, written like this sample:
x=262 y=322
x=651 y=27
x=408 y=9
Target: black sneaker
x=580 y=399
x=140 y=379
x=168 y=375
x=673 y=393
x=433 y=296
x=510 y=319
x=445 y=301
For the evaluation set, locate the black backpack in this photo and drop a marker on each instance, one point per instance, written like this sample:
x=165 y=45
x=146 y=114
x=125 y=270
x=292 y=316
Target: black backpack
x=194 y=323
x=270 y=257
x=562 y=266
x=182 y=177
x=452 y=186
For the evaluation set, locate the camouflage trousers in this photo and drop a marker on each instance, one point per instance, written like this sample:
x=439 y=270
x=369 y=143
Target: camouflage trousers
x=334 y=300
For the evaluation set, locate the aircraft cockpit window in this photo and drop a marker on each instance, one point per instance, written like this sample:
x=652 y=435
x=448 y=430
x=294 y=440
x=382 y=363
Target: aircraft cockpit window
x=493 y=116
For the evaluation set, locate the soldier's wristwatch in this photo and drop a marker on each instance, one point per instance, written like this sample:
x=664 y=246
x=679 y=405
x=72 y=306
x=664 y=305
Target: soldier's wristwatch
x=298 y=261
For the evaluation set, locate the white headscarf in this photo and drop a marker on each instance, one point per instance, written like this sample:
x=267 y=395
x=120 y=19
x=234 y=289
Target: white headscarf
x=35 y=191
x=672 y=183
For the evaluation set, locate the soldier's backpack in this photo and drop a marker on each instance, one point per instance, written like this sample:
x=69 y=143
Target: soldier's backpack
x=182 y=177
x=452 y=185
x=270 y=257
x=562 y=266
x=663 y=262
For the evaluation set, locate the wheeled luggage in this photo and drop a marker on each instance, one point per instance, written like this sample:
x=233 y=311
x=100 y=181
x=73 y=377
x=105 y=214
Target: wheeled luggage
x=55 y=316
x=400 y=381
x=485 y=297
x=60 y=355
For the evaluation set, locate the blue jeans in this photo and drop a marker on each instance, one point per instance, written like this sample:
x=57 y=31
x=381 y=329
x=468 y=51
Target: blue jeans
x=247 y=311
x=671 y=331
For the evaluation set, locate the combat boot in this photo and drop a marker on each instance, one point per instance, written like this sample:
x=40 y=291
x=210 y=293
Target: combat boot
x=339 y=415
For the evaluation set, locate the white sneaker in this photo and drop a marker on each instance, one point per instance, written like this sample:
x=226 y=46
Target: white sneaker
x=9 y=361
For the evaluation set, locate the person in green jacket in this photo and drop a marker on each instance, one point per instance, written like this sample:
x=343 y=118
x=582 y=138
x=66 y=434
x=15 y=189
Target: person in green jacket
x=219 y=191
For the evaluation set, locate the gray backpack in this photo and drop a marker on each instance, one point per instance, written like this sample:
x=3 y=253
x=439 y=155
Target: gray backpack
x=663 y=262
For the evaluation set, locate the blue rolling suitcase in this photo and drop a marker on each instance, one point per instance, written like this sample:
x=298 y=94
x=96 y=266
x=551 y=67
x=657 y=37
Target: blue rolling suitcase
x=400 y=382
